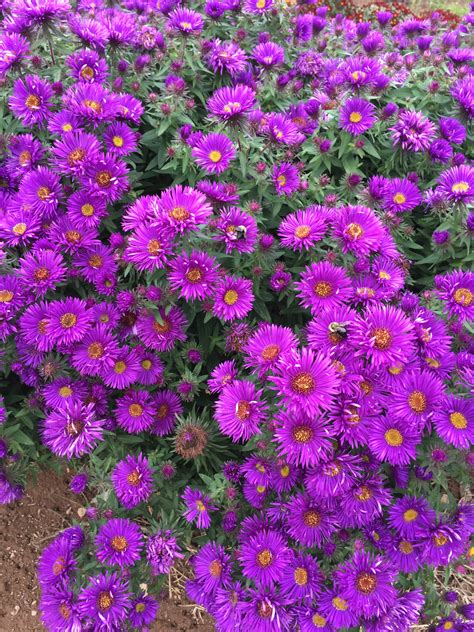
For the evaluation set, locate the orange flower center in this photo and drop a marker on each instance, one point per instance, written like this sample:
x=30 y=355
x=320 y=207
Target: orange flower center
x=303 y=383
x=417 y=401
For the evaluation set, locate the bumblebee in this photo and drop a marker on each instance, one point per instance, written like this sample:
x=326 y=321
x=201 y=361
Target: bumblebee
x=339 y=329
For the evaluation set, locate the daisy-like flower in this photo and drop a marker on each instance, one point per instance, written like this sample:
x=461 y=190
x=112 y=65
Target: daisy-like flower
x=267 y=346
x=301 y=577
x=123 y=369
x=63 y=122
x=31 y=100
x=264 y=557
x=363 y=502
x=410 y=516
x=384 y=335
x=240 y=410
x=228 y=602
x=162 y=331
x=309 y=522
x=41 y=191
x=452 y=130
x=400 y=195
x=132 y=479
x=41 y=271
x=366 y=583
x=212 y=567
x=19 y=227
x=198 y=507
x=56 y=563
x=393 y=440
x=301 y=230
x=412 y=131
x=258 y=6
x=150 y=369
x=193 y=275
x=230 y=104
x=336 y=610
x=34 y=323
x=120 y=139
x=167 y=406
x=88 y=66
x=237 y=229
x=333 y=475
x=107 y=177
x=358 y=230
x=143 y=611
x=119 y=541
x=454 y=422
x=26 y=152
x=214 y=152
x=92 y=103
x=233 y=298
x=457 y=184
x=226 y=57
x=86 y=208
x=331 y=329
x=285 y=178
x=106 y=599
x=268 y=54
x=68 y=320
x=218 y=193
x=59 y=609
x=416 y=397
x=96 y=351
x=149 y=248
x=182 y=209
x=134 y=411
x=305 y=381
x=281 y=129
x=74 y=151
x=222 y=375
x=443 y=543
x=301 y=439
x=265 y=610
x=323 y=286
x=357 y=116
x=13 y=49
x=456 y=290
x=186 y=21
x=64 y=390
x=72 y=431
x=390 y=276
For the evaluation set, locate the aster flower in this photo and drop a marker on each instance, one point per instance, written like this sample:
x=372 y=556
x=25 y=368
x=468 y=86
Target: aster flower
x=384 y=335
x=237 y=229
x=257 y=6
x=240 y=410
x=26 y=152
x=452 y=130
x=120 y=139
x=95 y=352
x=68 y=320
x=64 y=390
x=267 y=346
x=161 y=332
x=107 y=177
x=285 y=178
x=74 y=151
x=443 y=543
x=119 y=542
x=41 y=271
x=34 y=324
x=308 y=521
x=105 y=599
x=454 y=421
x=331 y=329
x=59 y=610
x=456 y=289
x=212 y=567
x=167 y=406
x=301 y=230
x=226 y=57
x=143 y=611
x=214 y=153
x=182 y=209
x=41 y=190
x=416 y=397
x=56 y=563
x=393 y=440
x=186 y=21
x=264 y=557
x=268 y=54
x=72 y=431
x=410 y=516
x=400 y=195
x=412 y=131
x=301 y=577
x=162 y=551
x=363 y=502
x=149 y=248
x=223 y=374
x=233 y=298
x=301 y=439
x=311 y=620
x=92 y=103
x=198 y=506
x=13 y=50
x=305 y=381
x=366 y=583
x=88 y=66
x=265 y=611
x=358 y=230
x=323 y=286
x=134 y=411
x=457 y=184
x=31 y=100
x=357 y=116
x=230 y=104
x=132 y=479
x=281 y=129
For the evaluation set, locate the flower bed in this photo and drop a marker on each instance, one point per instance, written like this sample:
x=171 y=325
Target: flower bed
x=237 y=298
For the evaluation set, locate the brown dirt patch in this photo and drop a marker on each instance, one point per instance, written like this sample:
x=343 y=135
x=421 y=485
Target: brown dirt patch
x=25 y=529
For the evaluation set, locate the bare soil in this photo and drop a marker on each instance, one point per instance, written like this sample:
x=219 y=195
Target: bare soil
x=25 y=529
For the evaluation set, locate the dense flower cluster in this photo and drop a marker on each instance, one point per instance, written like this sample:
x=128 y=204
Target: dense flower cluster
x=236 y=297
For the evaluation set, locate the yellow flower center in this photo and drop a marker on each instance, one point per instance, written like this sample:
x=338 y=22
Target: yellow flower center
x=399 y=198
x=104 y=179
x=405 y=547
x=119 y=367
x=117 y=141
x=281 y=180
x=242 y=410
x=95 y=351
x=264 y=558
x=87 y=210
x=41 y=274
x=319 y=621
x=119 y=543
x=179 y=213
x=366 y=583
x=24 y=158
x=73 y=236
x=463 y=296
x=87 y=73
x=382 y=337
x=32 y=102
x=215 y=568
x=410 y=515
x=135 y=410
x=460 y=187
x=285 y=471
x=340 y=604
x=194 y=275
x=260 y=4
x=323 y=289
x=394 y=437
x=302 y=434
x=417 y=401
x=363 y=494
x=146 y=364
x=301 y=576
x=215 y=156
x=312 y=518
x=231 y=297
x=354 y=231
x=303 y=383
x=270 y=352
x=154 y=247
x=68 y=320
x=105 y=601
x=355 y=117
x=67 y=127
x=65 y=391
x=92 y=105
x=133 y=478
x=140 y=607
x=458 y=420
x=76 y=156
x=302 y=231
x=19 y=229
x=95 y=261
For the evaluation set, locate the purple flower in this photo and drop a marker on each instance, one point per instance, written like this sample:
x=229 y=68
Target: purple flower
x=162 y=551
x=143 y=611
x=412 y=131
x=119 y=541
x=301 y=230
x=393 y=440
x=233 y=298
x=285 y=178
x=72 y=431
x=268 y=54
x=186 y=21
x=214 y=153
x=357 y=116
x=323 y=286
x=308 y=521
x=182 y=209
x=301 y=439
x=237 y=229
x=198 y=507
x=212 y=567
x=267 y=346
x=132 y=480
x=240 y=410
x=105 y=599
x=31 y=100
x=400 y=195
x=454 y=421
x=79 y=483
x=264 y=558
x=457 y=184
x=230 y=104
